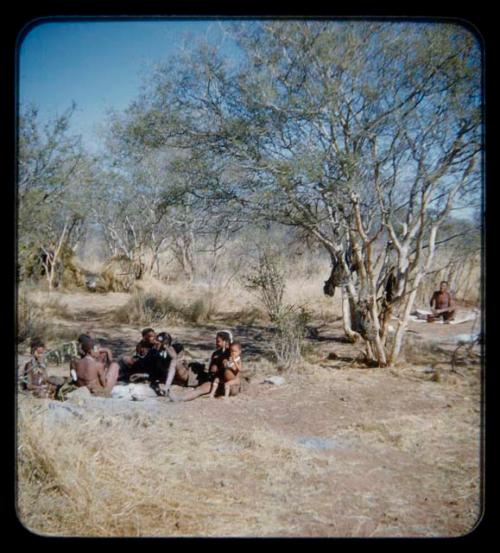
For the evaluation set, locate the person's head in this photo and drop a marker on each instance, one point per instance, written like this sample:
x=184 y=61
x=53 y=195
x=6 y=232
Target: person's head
x=443 y=286
x=86 y=343
x=37 y=347
x=164 y=338
x=222 y=340
x=149 y=335
x=235 y=349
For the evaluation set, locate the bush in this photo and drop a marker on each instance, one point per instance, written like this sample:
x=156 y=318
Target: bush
x=200 y=310
x=148 y=308
x=33 y=318
x=288 y=340
x=267 y=280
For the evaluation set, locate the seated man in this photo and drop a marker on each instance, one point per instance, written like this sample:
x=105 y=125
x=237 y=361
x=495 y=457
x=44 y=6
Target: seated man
x=35 y=378
x=442 y=304
x=96 y=370
x=133 y=364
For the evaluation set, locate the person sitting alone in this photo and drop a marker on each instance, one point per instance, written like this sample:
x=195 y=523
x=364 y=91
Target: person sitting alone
x=92 y=370
x=229 y=376
x=35 y=378
x=442 y=304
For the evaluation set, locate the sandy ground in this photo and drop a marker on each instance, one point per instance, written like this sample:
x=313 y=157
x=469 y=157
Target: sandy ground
x=386 y=452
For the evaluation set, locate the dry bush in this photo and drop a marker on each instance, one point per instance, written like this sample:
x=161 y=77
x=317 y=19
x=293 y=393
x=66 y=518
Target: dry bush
x=200 y=310
x=154 y=307
x=36 y=311
x=288 y=339
x=68 y=272
x=267 y=281
x=119 y=275
x=146 y=308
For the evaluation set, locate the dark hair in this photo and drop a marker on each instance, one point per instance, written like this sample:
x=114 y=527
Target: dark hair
x=224 y=335
x=164 y=337
x=86 y=342
x=147 y=331
x=443 y=282
x=36 y=343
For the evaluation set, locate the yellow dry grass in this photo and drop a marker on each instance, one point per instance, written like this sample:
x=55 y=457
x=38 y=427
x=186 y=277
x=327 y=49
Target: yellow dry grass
x=146 y=476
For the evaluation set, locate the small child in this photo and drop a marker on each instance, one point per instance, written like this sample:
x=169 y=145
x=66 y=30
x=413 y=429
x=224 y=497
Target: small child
x=232 y=371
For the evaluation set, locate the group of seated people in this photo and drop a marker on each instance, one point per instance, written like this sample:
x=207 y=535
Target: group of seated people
x=157 y=359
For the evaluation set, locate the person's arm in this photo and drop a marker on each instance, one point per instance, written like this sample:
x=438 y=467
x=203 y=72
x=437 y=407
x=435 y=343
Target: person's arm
x=26 y=377
x=108 y=352
x=101 y=375
x=452 y=301
x=237 y=366
x=171 y=367
x=72 y=369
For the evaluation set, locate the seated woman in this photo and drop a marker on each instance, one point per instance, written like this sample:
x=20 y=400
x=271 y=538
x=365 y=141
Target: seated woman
x=217 y=366
x=35 y=378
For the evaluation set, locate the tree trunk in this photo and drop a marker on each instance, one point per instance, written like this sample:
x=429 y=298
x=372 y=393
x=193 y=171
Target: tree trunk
x=378 y=343
x=351 y=335
x=403 y=323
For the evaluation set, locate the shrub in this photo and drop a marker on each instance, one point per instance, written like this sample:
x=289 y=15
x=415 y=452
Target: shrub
x=148 y=308
x=267 y=280
x=288 y=340
x=200 y=310
x=34 y=318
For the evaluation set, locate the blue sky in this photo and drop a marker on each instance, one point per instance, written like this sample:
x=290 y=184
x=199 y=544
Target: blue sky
x=98 y=64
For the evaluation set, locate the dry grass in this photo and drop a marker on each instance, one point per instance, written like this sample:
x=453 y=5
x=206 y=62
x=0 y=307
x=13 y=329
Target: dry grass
x=171 y=482
x=153 y=307
x=36 y=314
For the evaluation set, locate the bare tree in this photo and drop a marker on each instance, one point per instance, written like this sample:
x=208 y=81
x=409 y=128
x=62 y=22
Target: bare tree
x=364 y=135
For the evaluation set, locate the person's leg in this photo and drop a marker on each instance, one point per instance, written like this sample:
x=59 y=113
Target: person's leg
x=201 y=390
x=234 y=387
x=181 y=374
x=215 y=385
x=449 y=315
x=229 y=377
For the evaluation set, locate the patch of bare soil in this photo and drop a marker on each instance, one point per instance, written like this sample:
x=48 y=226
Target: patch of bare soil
x=348 y=451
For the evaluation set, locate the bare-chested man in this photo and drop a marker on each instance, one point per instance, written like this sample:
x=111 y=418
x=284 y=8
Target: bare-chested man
x=35 y=378
x=442 y=304
x=95 y=369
